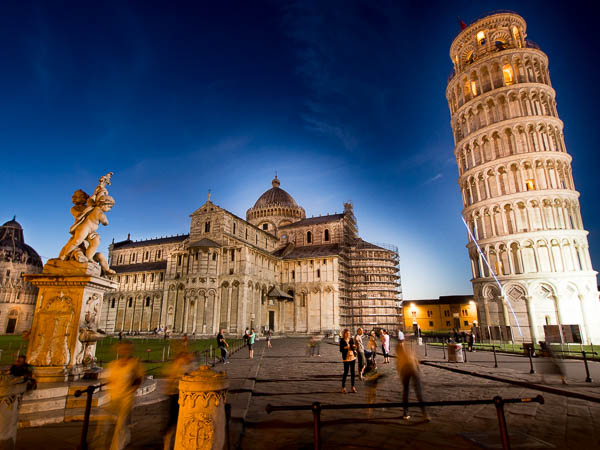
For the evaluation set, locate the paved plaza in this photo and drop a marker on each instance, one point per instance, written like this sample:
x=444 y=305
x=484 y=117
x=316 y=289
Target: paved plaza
x=285 y=375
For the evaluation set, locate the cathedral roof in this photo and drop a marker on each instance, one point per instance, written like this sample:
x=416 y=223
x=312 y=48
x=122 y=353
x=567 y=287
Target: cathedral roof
x=128 y=243
x=315 y=220
x=275 y=196
x=307 y=251
x=13 y=247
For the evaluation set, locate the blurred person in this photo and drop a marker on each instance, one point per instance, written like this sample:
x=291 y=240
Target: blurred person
x=373 y=344
x=555 y=367
x=181 y=365
x=251 y=338
x=348 y=350
x=22 y=369
x=408 y=368
x=269 y=334
x=471 y=341
x=400 y=336
x=222 y=344
x=124 y=376
x=360 y=351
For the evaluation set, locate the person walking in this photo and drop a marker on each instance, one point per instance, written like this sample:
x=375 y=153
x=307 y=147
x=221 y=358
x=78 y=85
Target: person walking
x=471 y=340
x=408 y=368
x=400 y=336
x=360 y=351
x=269 y=334
x=348 y=350
x=251 y=338
x=222 y=344
x=124 y=376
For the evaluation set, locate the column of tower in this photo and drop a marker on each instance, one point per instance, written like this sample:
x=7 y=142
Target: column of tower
x=519 y=198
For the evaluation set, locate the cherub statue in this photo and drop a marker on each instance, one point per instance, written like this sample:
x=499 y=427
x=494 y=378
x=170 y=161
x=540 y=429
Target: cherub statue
x=88 y=212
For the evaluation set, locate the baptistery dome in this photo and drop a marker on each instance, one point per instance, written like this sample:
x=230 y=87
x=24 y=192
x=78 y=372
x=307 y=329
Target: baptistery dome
x=274 y=209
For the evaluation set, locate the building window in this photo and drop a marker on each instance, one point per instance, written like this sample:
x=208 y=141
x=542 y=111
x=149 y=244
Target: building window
x=465 y=312
x=429 y=313
x=246 y=233
x=151 y=277
x=158 y=253
x=135 y=278
x=265 y=226
x=143 y=278
x=447 y=323
x=431 y=323
x=293 y=274
x=130 y=301
x=414 y=314
x=126 y=278
x=466 y=323
x=196 y=256
x=234 y=224
x=179 y=260
x=214 y=257
x=308 y=237
x=162 y=276
x=446 y=313
x=118 y=279
x=146 y=256
x=207 y=227
x=326 y=235
x=147 y=301
x=531 y=185
x=481 y=38
x=112 y=303
x=318 y=273
x=508 y=74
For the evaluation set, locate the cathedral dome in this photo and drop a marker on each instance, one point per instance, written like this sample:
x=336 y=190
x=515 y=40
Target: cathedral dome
x=275 y=197
x=275 y=208
x=13 y=247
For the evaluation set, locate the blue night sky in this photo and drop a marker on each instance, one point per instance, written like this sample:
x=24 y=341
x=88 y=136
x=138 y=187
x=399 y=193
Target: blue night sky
x=345 y=100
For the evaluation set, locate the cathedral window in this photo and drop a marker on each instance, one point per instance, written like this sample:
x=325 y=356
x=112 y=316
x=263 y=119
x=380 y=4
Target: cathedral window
x=162 y=277
x=126 y=278
x=246 y=233
x=179 y=260
x=293 y=274
x=196 y=256
x=207 y=227
x=143 y=278
x=232 y=255
x=151 y=277
x=234 y=227
x=308 y=237
x=265 y=226
x=326 y=235
x=214 y=257
x=135 y=279
x=158 y=253
x=146 y=256
x=112 y=303
x=147 y=301
x=130 y=301
x=318 y=273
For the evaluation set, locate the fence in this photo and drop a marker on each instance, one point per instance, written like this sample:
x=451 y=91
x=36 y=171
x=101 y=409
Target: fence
x=317 y=407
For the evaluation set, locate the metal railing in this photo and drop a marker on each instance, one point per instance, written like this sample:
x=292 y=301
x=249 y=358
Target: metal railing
x=317 y=407
x=83 y=445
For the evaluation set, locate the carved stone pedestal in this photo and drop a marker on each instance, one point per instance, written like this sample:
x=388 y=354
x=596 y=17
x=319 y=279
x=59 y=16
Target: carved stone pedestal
x=201 y=423
x=68 y=308
x=11 y=393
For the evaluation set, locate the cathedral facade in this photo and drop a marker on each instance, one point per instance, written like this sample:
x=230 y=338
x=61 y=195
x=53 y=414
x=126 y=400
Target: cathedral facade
x=17 y=296
x=276 y=270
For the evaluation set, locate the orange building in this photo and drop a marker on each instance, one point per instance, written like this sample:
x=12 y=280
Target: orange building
x=444 y=314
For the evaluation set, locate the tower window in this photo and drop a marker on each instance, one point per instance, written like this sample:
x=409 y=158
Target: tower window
x=474 y=88
x=508 y=74
x=530 y=185
x=207 y=227
x=326 y=235
x=481 y=38
x=309 y=237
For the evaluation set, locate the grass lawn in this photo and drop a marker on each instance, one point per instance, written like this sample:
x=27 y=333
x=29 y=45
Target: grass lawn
x=149 y=350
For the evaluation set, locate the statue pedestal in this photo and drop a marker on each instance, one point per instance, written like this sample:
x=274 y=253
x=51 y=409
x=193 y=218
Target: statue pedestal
x=202 y=423
x=11 y=393
x=67 y=311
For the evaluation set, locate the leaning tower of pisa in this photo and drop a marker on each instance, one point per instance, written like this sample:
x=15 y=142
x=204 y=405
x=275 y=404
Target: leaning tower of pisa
x=519 y=198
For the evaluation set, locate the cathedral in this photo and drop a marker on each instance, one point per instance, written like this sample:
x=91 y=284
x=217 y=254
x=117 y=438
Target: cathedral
x=276 y=270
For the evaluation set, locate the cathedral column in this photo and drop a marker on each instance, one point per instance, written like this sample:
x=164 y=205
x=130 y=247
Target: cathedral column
x=229 y=301
x=586 y=325
x=504 y=310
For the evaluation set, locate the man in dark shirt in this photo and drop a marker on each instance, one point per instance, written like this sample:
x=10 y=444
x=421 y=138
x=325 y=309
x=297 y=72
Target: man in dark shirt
x=222 y=343
x=21 y=369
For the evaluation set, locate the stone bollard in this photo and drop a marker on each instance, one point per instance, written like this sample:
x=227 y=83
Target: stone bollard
x=202 y=423
x=11 y=394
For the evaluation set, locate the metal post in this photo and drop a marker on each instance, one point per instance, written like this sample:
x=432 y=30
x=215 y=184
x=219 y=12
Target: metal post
x=464 y=354
x=86 y=416
x=531 y=369
x=499 y=404
x=425 y=342
x=495 y=358
x=444 y=347
x=316 y=409
x=588 y=379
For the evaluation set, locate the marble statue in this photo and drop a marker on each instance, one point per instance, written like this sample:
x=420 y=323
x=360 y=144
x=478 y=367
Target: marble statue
x=89 y=212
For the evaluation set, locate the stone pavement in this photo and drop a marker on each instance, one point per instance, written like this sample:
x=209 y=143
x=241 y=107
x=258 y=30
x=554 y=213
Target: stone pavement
x=284 y=375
